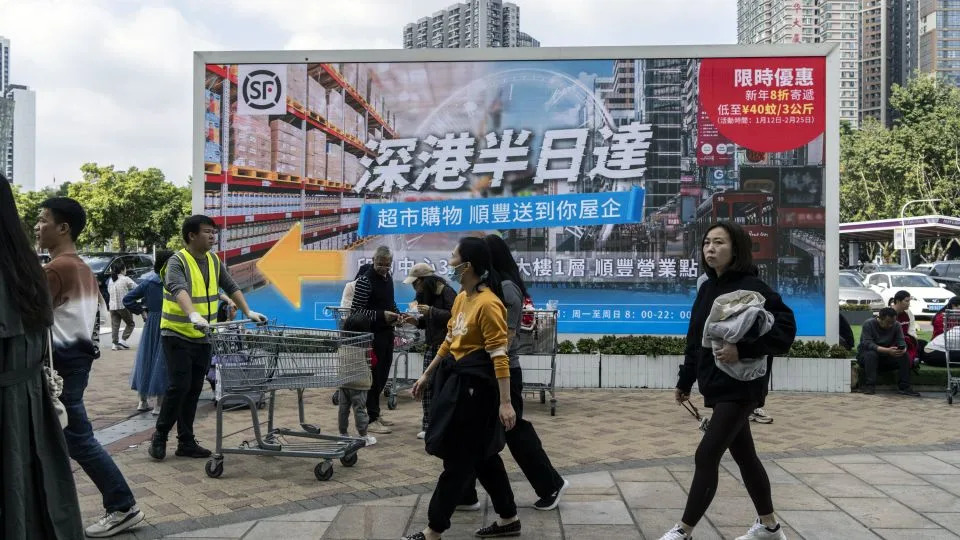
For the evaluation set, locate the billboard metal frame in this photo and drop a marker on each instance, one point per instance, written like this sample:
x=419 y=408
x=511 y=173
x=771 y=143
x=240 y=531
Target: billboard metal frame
x=831 y=133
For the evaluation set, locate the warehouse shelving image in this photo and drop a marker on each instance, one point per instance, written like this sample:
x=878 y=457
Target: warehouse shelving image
x=264 y=173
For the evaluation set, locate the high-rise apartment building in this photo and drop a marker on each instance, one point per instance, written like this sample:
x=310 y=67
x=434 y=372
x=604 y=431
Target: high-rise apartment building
x=22 y=150
x=6 y=111
x=888 y=53
x=809 y=21
x=473 y=24
x=938 y=38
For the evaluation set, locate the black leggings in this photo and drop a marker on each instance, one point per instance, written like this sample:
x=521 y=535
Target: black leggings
x=729 y=428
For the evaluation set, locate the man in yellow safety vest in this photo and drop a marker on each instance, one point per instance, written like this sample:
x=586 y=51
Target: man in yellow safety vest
x=192 y=281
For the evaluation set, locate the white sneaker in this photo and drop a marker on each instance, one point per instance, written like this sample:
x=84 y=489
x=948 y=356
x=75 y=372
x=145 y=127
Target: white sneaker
x=676 y=533
x=156 y=411
x=759 y=532
x=143 y=406
x=760 y=416
x=468 y=507
x=123 y=344
x=422 y=435
x=385 y=422
x=371 y=440
x=378 y=427
x=114 y=347
x=115 y=523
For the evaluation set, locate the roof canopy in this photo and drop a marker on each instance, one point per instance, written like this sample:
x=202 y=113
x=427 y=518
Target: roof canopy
x=881 y=230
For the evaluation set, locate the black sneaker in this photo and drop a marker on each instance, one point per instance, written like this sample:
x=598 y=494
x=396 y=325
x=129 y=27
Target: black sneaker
x=192 y=450
x=158 y=446
x=869 y=390
x=494 y=530
x=415 y=536
x=908 y=392
x=551 y=502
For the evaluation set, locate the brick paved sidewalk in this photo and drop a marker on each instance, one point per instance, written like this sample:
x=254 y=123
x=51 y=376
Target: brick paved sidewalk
x=592 y=429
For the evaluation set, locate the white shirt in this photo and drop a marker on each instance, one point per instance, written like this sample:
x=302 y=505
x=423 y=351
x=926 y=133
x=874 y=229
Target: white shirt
x=117 y=289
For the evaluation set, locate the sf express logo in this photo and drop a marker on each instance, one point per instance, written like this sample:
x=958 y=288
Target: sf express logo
x=261 y=89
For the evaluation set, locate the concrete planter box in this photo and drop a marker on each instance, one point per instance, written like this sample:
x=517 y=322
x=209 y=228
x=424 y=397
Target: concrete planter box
x=856 y=318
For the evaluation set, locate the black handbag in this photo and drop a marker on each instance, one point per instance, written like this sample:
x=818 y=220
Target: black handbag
x=356 y=322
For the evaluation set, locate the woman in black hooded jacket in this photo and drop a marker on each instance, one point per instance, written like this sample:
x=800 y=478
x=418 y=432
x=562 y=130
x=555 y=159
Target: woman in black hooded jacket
x=727 y=260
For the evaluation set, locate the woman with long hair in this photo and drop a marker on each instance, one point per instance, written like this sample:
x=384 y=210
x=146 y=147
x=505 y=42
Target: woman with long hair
x=471 y=405
x=149 y=376
x=434 y=300
x=39 y=497
x=118 y=285
x=726 y=256
x=523 y=441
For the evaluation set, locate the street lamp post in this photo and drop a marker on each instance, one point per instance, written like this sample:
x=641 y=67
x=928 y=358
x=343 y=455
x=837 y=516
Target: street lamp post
x=904 y=253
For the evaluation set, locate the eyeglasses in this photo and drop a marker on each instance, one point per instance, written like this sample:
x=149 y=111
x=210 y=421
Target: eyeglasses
x=692 y=409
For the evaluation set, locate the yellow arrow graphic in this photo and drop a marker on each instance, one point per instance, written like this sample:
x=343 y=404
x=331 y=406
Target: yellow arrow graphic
x=286 y=266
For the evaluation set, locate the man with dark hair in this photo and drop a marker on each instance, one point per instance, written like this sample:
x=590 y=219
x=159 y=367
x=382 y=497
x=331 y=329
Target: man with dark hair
x=192 y=281
x=882 y=347
x=76 y=295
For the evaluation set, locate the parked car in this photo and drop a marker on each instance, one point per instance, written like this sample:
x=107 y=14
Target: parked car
x=854 y=292
x=137 y=264
x=947 y=273
x=923 y=268
x=929 y=297
x=854 y=273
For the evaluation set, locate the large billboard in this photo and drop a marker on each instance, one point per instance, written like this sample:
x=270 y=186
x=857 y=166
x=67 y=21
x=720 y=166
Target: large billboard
x=601 y=168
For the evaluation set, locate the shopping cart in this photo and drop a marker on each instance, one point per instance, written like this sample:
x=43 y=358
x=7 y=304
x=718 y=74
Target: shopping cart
x=540 y=343
x=269 y=357
x=405 y=339
x=951 y=344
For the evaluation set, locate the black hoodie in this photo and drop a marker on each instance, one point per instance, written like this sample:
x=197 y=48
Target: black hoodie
x=698 y=365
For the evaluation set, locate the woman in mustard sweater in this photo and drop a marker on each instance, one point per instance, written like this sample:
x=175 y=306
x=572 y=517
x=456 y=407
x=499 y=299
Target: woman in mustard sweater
x=471 y=397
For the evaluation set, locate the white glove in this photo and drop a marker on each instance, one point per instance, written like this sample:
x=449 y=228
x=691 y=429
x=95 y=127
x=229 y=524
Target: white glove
x=198 y=321
x=257 y=317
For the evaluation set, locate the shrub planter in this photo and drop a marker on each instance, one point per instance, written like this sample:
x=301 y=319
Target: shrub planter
x=857 y=317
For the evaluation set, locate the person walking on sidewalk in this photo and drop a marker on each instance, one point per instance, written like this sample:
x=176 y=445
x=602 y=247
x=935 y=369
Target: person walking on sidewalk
x=76 y=301
x=726 y=255
x=39 y=496
x=434 y=301
x=192 y=280
x=373 y=300
x=522 y=440
x=470 y=376
x=118 y=286
x=149 y=376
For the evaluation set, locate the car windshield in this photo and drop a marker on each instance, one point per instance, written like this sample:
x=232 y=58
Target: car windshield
x=913 y=281
x=846 y=280
x=96 y=263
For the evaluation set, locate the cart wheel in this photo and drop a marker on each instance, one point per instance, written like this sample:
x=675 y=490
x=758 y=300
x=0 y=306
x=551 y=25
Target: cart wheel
x=386 y=391
x=543 y=397
x=553 y=410
x=949 y=400
x=214 y=468
x=323 y=471
x=335 y=398
x=349 y=460
x=392 y=402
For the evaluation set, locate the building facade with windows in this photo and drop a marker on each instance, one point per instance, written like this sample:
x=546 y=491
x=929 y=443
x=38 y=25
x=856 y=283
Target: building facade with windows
x=473 y=24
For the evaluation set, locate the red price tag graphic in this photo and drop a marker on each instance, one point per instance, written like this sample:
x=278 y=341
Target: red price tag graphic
x=765 y=104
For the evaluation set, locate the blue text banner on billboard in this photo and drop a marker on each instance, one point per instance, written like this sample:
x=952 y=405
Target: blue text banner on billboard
x=572 y=210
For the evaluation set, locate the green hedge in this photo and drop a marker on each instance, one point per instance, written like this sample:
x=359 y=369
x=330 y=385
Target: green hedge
x=667 y=345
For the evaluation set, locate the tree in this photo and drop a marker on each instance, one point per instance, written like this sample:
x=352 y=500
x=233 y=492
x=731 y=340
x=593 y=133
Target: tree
x=919 y=158
x=131 y=205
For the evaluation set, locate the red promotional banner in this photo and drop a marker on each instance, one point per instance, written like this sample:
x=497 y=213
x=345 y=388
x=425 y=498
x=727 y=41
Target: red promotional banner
x=765 y=104
x=713 y=150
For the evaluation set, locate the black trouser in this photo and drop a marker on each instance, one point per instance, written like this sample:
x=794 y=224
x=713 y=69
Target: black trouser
x=187 y=365
x=729 y=428
x=872 y=362
x=383 y=349
x=526 y=448
x=459 y=474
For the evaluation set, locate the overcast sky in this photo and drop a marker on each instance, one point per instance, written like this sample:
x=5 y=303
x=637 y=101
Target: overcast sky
x=113 y=76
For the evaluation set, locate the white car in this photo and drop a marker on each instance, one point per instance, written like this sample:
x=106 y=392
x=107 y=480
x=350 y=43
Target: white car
x=929 y=297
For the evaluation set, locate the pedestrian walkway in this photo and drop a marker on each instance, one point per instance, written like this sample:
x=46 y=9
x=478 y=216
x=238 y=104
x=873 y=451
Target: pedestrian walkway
x=890 y=495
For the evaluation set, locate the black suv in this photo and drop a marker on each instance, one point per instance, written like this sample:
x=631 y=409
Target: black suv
x=948 y=273
x=137 y=264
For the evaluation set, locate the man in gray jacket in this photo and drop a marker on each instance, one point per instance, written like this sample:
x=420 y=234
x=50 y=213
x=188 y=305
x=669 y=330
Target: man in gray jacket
x=882 y=347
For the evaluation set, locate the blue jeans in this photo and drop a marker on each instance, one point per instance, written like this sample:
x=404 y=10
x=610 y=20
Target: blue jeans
x=81 y=444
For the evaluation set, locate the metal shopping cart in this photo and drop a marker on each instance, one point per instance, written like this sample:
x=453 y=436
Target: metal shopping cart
x=538 y=346
x=951 y=344
x=405 y=339
x=266 y=358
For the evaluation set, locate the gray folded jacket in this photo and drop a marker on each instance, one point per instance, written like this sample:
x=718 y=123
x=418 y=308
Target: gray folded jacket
x=738 y=317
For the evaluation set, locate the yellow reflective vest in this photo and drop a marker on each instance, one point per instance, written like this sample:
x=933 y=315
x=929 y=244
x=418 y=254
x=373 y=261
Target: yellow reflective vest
x=204 y=296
